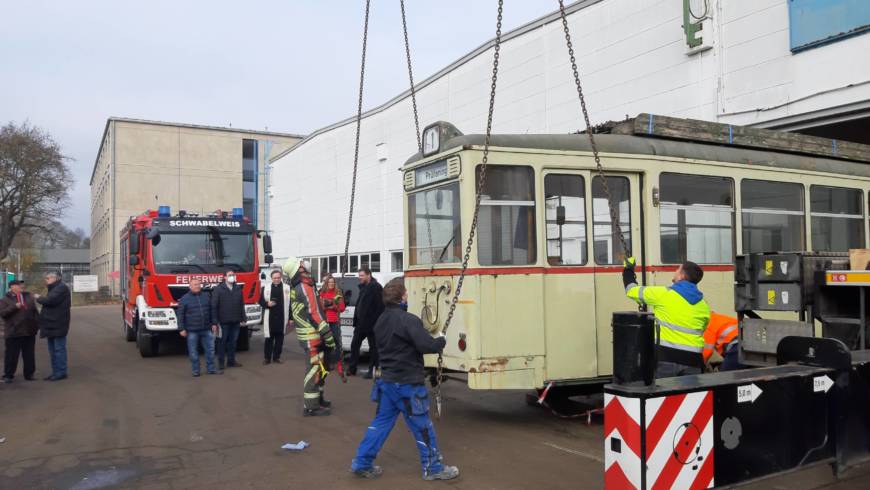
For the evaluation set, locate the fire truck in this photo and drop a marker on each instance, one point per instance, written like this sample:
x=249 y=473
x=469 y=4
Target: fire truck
x=161 y=253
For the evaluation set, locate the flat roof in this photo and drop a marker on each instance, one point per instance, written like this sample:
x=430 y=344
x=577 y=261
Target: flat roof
x=519 y=31
x=181 y=125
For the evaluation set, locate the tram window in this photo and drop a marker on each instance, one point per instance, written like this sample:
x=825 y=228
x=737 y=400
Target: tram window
x=507 y=217
x=836 y=218
x=697 y=219
x=434 y=227
x=607 y=246
x=565 y=211
x=773 y=216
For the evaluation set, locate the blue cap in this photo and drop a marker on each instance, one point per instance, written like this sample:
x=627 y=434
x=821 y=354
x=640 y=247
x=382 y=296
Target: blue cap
x=163 y=212
x=238 y=213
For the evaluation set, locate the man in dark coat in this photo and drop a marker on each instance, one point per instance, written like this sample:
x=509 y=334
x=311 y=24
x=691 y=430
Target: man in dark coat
x=228 y=311
x=369 y=307
x=194 y=319
x=275 y=301
x=54 y=323
x=19 y=313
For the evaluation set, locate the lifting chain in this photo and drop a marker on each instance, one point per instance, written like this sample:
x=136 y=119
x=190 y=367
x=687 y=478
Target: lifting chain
x=416 y=124
x=614 y=216
x=362 y=73
x=481 y=182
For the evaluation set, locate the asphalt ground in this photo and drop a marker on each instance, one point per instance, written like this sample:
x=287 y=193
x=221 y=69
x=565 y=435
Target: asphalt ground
x=121 y=421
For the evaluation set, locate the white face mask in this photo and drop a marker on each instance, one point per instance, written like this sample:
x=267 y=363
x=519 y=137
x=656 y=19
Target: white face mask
x=231 y=279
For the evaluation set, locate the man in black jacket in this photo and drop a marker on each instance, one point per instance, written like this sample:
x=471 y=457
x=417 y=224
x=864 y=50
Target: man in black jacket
x=54 y=323
x=402 y=341
x=18 y=310
x=369 y=307
x=197 y=327
x=228 y=311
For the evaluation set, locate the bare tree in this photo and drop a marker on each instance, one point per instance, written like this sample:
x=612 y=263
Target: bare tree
x=34 y=182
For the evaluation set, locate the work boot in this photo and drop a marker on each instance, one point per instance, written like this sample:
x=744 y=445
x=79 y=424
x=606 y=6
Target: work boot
x=324 y=403
x=320 y=412
x=221 y=365
x=278 y=361
x=368 y=374
x=9 y=380
x=234 y=364
x=446 y=473
x=370 y=473
x=266 y=361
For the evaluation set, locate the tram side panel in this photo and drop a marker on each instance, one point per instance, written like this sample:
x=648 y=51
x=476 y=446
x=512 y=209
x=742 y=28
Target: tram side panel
x=569 y=316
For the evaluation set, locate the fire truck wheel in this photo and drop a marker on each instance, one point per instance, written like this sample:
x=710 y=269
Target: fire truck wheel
x=148 y=344
x=244 y=342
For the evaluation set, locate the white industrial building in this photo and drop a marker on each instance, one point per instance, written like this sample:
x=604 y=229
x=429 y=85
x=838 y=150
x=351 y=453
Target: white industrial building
x=790 y=64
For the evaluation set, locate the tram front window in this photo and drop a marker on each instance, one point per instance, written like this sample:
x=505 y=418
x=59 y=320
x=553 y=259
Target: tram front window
x=434 y=226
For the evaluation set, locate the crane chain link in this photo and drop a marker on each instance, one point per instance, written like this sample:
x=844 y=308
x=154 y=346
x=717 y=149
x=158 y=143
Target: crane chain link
x=481 y=182
x=362 y=72
x=416 y=121
x=614 y=216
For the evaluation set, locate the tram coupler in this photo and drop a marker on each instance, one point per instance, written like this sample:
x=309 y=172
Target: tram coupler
x=727 y=428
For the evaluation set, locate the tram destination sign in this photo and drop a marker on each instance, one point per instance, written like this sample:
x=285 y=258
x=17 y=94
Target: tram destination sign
x=434 y=172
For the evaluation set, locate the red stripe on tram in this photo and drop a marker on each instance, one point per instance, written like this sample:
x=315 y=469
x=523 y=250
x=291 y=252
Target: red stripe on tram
x=514 y=271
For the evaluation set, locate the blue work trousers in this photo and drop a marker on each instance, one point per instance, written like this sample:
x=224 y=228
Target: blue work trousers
x=227 y=347
x=57 y=353
x=732 y=359
x=412 y=401
x=206 y=339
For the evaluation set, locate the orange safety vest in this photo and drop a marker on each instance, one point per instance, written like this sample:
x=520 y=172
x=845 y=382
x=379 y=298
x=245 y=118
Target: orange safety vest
x=720 y=334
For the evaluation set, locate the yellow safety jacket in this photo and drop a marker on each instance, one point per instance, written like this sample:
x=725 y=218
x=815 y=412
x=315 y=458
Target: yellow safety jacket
x=680 y=323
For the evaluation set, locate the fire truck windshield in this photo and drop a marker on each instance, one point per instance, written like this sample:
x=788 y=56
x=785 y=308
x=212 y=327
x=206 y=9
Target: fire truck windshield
x=205 y=251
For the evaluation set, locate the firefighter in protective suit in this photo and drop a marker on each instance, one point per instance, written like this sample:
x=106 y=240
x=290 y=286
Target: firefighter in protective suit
x=313 y=333
x=681 y=317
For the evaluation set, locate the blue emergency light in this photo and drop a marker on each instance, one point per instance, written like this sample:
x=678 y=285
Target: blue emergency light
x=163 y=212
x=238 y=213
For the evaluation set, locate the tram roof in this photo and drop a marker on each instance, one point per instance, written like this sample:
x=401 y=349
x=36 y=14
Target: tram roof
x=655 y=146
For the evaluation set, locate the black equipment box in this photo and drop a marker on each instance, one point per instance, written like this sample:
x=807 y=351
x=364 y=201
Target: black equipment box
x=782 y=281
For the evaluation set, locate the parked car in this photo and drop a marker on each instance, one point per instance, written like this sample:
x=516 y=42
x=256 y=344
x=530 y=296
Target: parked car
x=349 y=284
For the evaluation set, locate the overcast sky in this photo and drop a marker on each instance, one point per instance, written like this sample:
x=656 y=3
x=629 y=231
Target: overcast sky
x=286 y=65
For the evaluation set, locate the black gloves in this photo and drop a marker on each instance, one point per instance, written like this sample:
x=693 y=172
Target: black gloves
x=628 y=275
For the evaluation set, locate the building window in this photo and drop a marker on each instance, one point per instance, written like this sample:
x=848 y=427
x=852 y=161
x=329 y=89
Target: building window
x=773 y=216
x=333 y=264
x=565 y=209
x=836 y=218
x=507 y=217
x=697 y=219
x=397 y=261
x=375 y=262
x=354 y=263
x=314 y=268
x=324 y=266
x=607 y=246
x=250 y=160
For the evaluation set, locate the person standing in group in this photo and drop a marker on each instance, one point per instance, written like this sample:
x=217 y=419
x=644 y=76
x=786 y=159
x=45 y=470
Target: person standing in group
x=194 y=319
x=54 y=323
x=332 y=302
x=275 y=301
x=18 y=310
x=400 y=389
x=228 y=311
x=369 y=306
x=313 y=333
x=681 y=317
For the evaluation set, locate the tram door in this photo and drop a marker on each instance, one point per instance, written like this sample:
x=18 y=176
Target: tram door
x=607 y=254
x=569 y=282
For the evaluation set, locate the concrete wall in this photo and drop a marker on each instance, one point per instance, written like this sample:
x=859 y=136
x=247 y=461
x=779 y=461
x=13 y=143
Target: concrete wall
x=633 y=58
x=190 y=168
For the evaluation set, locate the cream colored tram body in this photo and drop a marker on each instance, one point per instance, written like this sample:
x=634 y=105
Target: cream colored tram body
x=544 y=274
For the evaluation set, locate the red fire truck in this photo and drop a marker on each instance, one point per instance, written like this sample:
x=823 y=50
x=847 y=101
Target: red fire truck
x=161 y=253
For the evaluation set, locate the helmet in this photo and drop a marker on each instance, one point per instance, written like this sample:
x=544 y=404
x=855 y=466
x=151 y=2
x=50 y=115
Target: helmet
x=291 y=266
